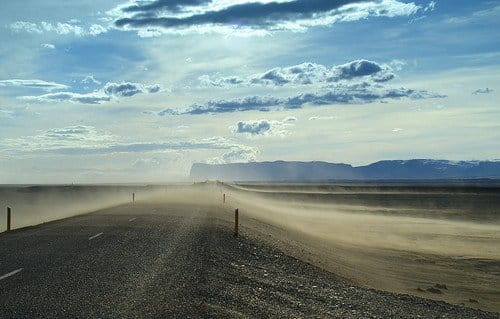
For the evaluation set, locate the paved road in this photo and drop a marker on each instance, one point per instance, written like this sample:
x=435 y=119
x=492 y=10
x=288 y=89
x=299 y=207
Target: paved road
x=157 y=261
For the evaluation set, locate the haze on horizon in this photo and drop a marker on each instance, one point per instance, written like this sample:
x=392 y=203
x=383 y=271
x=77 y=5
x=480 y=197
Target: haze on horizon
x=131 y=91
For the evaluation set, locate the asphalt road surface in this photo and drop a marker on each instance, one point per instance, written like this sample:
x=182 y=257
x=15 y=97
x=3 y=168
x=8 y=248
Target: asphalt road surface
x=163 y=261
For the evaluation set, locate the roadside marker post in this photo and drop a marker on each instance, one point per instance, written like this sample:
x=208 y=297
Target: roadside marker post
x=236 y=222
x=224 y=198
x=133 y=198
x=9 y=218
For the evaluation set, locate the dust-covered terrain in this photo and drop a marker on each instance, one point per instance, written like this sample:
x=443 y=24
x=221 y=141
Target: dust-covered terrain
x=438 y=243
x=176 y=257
x=35 y=204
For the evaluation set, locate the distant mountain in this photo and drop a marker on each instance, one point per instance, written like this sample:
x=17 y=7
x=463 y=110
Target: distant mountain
x=311 y=171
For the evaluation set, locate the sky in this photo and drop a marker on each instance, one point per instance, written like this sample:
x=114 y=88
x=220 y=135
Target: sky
x=137 y=91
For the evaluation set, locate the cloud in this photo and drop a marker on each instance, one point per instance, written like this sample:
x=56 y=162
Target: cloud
x=48 y=46
x=29 y=27
x=96 y=29
x=147 y=163
x=263 y=127
x=259 y=127
x=430 y=6
x=483 y=91
x=7 y=114
x=357 y=93
x=153 y=88
x=16 y=112
x=58 y=139
x=322 y=118
x=247 y=154
x=122 y=89
x=307 y=74
x=238 y=154
x=34 y=84
x=356 y=82
x=249 y=16
x=83 y=98
x=108 y=92
x=127 y=89
x=481 y=16
x=78 y=133
x=70 y=28
x=81 y=140
x=89 y=79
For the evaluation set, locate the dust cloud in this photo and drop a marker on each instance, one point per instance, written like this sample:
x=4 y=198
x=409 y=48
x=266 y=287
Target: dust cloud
x=32 y=205
x=400 y=240
x=376 y=227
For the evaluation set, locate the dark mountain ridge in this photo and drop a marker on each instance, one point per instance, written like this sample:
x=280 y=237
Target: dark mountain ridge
x=415 y=169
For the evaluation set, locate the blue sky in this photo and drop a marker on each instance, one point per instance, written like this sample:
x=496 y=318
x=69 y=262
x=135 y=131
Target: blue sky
x=132 y=91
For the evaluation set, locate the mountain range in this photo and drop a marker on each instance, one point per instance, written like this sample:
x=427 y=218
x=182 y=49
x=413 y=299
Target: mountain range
x=415 y=169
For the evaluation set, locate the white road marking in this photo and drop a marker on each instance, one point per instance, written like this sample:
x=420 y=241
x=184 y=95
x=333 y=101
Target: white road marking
x=95 y=236
x=12 y=273
x=132 y=219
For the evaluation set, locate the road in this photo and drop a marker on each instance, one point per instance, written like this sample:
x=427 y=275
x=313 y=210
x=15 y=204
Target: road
x=165 y=261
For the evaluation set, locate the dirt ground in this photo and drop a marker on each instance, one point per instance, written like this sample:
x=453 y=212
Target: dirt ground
x=442 y=244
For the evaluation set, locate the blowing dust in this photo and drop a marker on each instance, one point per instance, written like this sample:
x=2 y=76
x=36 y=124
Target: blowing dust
x=406 y=246
x=32 y=205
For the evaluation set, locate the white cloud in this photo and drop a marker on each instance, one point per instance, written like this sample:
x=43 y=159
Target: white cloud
x=107 y=93
x=83 y=98
x=29 y=27
x=322 y=118
x=6 y=114
x=60 y=138
x=61 y=28
x=89 y=79
x=356 y=82
x=81 y=140
x=147 y=163
x=239 y=154
x=17 y=112
x=96 y=29
x=309 y=73
x=477 y=16
x=35 y=84
x=48 y=46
